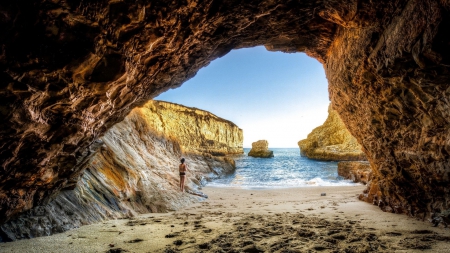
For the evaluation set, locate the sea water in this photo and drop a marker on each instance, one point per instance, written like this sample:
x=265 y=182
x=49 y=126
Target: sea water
x=286 y=169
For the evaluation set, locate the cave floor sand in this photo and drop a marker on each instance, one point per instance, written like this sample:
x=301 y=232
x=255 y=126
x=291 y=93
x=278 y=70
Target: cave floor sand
x=237 y=220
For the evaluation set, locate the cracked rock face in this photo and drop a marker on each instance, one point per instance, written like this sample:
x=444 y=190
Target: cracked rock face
x=69 y=70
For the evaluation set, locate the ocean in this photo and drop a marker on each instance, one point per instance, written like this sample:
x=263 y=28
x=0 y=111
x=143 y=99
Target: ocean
x=286 y=169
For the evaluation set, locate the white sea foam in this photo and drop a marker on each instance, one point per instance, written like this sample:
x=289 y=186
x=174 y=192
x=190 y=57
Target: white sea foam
x=320 y=182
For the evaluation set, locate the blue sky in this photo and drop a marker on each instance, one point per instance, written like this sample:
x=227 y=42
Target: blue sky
x=273 y=96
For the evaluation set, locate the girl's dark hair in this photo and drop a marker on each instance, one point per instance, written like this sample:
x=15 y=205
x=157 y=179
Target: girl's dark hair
x=182 y=160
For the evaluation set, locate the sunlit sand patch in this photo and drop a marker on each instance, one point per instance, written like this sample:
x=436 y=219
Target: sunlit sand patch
x=232 y=227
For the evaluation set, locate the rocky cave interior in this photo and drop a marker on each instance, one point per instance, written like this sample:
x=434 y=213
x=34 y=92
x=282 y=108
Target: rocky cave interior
x=71 y=70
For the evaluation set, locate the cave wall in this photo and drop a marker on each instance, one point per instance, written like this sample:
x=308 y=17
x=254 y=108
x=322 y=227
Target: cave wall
x=389 y=83
x=135 y=170
x=72 y=69
x=331 y=142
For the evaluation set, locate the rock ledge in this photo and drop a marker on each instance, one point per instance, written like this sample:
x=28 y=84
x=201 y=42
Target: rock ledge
x=357 y=171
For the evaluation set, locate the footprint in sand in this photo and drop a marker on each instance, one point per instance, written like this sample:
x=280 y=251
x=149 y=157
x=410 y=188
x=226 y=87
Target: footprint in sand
x=135 y=240
x=116 y=250
x=171 y=235
x=178 y=242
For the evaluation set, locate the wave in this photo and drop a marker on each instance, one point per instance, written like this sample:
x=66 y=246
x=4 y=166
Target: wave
x=286 y=170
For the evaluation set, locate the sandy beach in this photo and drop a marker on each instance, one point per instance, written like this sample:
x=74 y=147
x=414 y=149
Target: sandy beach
x=258 y=220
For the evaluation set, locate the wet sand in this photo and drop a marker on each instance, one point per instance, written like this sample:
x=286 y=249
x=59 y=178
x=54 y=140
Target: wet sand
x=237 y=220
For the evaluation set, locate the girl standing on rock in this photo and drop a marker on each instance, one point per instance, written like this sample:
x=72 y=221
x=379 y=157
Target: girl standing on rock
x=182 y=168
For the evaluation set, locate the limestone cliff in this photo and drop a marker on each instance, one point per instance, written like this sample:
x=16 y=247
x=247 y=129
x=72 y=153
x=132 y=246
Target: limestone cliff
x=331 y=141
x=196 y=130
x=135 y=170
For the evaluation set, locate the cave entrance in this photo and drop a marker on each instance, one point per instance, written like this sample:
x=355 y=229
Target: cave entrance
x=274 y=96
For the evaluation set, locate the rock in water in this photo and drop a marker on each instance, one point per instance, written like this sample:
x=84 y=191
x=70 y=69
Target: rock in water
x=260 y=149
x=358 y=171
x=331 y=142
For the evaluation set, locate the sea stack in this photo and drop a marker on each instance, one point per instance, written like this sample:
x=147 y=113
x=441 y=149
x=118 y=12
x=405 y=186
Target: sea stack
x=261 y=149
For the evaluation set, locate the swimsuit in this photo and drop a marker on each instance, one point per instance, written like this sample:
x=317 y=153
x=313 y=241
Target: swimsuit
x=182 y=166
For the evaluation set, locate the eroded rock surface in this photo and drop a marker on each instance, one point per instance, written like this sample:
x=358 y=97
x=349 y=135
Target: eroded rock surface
x=135 y=171
x=69 y=70
x=196 y=130
x=261 y=149
x=358 y=171
x=331 y=142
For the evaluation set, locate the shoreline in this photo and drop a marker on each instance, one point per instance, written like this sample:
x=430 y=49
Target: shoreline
x=265 y=220
x=281 y=187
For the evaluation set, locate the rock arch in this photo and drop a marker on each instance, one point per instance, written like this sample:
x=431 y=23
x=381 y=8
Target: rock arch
x=71 y=69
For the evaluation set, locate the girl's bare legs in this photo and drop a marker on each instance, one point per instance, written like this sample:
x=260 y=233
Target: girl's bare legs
x=182 y=179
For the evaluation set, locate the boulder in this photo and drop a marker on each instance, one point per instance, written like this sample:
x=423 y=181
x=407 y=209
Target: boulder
x=358 y=171
x=260 y=149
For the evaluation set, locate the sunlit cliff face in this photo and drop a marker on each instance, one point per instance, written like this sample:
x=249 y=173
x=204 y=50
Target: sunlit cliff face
x=331 y=142
x=70 y=70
